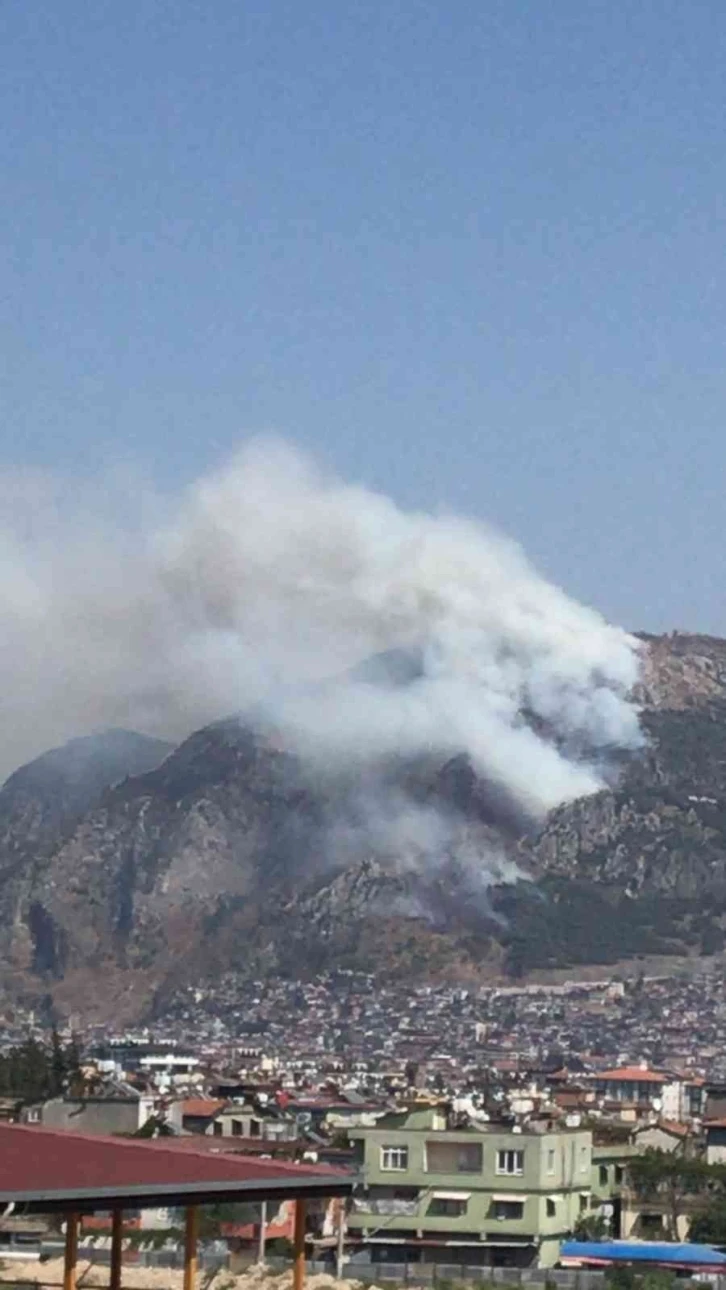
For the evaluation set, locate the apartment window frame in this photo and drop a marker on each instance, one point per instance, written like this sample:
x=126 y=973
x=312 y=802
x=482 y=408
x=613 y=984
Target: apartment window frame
x=446 y=1208
x=510 y=1162
x=550 y=1208
x=397 y=1151
x=469 y=1158
x=502 y=1211
x=551 y=1161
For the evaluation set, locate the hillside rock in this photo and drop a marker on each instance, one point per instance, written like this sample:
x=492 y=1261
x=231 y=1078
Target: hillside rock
x=681 y=671
x=159 y=867
x=40 y=806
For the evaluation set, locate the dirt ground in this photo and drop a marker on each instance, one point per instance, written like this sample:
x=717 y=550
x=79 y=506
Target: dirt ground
x=89 y=1275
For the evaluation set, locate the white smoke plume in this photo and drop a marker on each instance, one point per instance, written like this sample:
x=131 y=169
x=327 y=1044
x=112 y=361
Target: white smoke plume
x=269 y=577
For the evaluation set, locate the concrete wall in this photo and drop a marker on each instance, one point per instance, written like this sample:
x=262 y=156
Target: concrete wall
x=96 y=1115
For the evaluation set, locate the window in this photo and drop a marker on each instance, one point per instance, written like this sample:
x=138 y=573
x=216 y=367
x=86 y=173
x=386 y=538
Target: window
x=237 y=1127
x=445 y=1207
x=618 y=1173
x=603 y=1175
x=394 y=1158
x=551 y=1207
x=510 y=1162
x=551 y=1161
x=584 y=1201
x=454 y=1157
x=217 y=1129
x=584 y=1160
x=505 y=1210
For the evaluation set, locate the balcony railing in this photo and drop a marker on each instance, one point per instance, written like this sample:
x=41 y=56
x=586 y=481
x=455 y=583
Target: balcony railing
x=386 y=1207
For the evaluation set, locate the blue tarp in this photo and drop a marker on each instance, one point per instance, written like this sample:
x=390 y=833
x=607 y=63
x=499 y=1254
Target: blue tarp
x=642 y=1252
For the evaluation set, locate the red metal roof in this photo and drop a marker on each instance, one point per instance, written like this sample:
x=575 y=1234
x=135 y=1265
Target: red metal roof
x=227 y=1144
x=40 y=1163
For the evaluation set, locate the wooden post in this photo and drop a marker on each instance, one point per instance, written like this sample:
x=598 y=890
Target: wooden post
x=263 y=1234
x=117 y=1233
x=340 y=1251
x=191 y=1234
x=71 y=1252
x=298 y=1267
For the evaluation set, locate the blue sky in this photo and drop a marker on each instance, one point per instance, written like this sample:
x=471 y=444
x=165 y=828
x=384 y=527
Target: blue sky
x=469 y=253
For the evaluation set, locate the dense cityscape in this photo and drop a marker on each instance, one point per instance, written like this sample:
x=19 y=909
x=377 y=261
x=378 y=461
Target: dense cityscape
x=559 y=1092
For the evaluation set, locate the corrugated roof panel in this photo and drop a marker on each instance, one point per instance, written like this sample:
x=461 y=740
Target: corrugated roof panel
x=48 y=1163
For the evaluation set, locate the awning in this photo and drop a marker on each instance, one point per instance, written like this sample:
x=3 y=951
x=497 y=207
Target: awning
x=510 y=1196
x=50 y=1171
x=554 y=1198
x=451 y=1195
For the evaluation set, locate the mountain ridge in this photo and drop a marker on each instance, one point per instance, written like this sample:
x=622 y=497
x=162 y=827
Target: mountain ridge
x=217 y=854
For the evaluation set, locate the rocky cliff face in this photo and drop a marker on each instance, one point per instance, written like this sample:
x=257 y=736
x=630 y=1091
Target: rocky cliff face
x=641 y=868
x=682 y=671
x=40 y=807
x=150 y=866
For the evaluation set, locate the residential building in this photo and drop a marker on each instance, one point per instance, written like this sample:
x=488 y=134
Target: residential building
x=483 y=1195
x=663 y=1135
x=119 y=1109
x=638 y=1088
x=194 y=1114
x=609 y=1179
x=715 y=1132
x=248 y=1121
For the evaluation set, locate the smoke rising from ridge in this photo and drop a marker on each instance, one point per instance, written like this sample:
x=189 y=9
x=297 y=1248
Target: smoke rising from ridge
x=264 y=586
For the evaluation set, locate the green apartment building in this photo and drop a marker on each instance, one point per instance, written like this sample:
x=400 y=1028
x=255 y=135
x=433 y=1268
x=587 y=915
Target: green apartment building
x=609 y=1179
x=487 y=1196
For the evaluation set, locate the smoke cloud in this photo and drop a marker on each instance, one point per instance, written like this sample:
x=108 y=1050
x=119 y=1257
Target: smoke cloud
x=263 y=587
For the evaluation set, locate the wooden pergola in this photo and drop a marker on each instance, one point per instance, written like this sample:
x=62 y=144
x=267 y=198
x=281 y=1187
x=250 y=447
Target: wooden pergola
x=46 y=1171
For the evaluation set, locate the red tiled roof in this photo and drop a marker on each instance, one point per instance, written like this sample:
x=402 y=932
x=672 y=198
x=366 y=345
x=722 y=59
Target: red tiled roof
x=674 y=1126
x=667 y=1126
x=333 y=1104
x=633 y=1073
x=201 y=1107
x=38 y=1163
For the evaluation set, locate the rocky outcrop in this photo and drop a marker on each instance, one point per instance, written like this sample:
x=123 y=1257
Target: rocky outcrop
x=40 y=807
x=680 y=670
x=155 y=866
